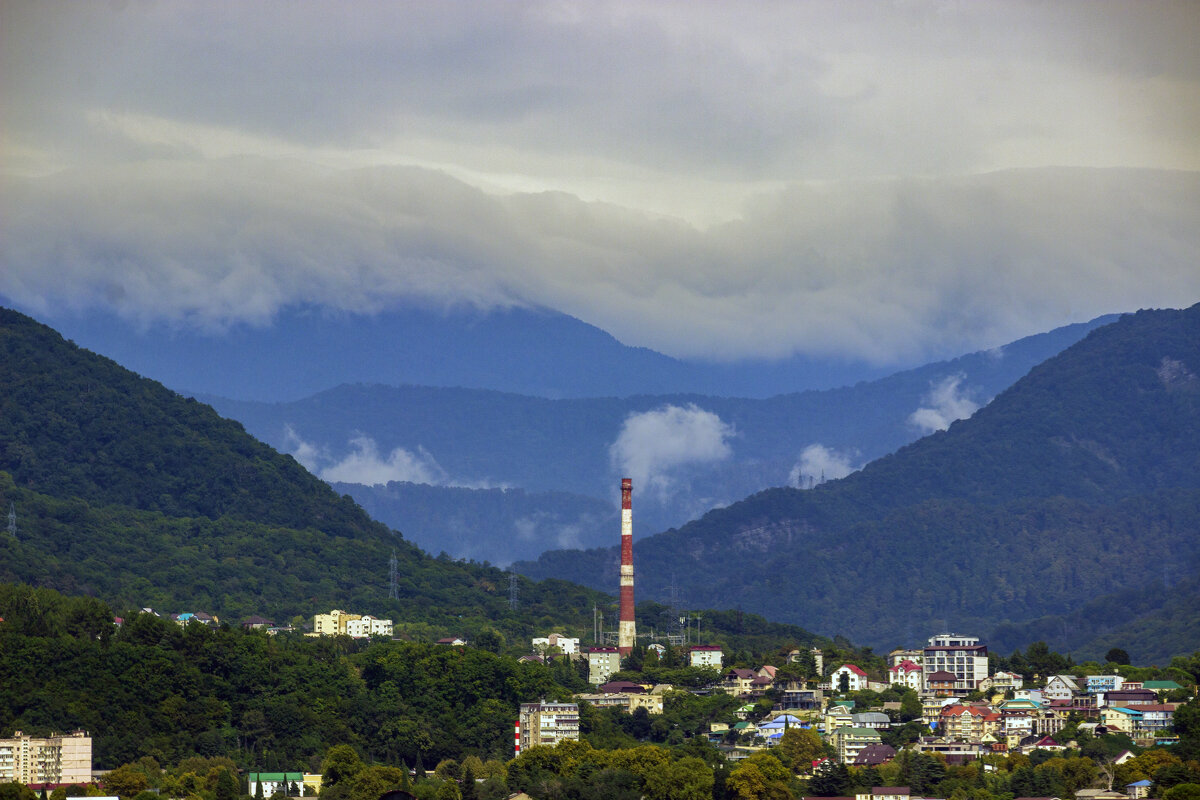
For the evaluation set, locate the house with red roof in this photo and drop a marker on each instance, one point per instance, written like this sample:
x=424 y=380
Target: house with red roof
x=907 y=673
x=967 y=723
x=856 y=678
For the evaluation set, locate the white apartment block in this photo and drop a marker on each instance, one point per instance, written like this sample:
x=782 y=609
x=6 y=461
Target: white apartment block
x=963 y=656
x=57 y=759
x=366 y=625
x=566 y=645
x=705 y=655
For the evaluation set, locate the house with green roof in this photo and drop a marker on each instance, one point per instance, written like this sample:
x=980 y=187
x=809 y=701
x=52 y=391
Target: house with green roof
x=1161 y=686
x=289 y=783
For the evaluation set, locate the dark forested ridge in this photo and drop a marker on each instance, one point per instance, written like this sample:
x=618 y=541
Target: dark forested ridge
x=1080 y=481
x=125 y=490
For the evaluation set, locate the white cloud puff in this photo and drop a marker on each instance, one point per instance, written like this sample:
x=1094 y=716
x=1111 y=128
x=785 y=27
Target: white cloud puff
x=819 y=463
x=364 y=464
x=947 y=401
x=653 y=444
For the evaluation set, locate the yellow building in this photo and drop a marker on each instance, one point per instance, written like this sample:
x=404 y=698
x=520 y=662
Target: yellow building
x=333 y=623
x=57 y=759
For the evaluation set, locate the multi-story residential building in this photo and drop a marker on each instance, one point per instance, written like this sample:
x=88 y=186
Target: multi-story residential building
x=1156 y=717
x=962 y=656
x=705 y=655
x=56 y=759
x=566 y=645
x=1099 y=684
x=941 y=683
x=627 y=701
x=849 y=742
x=856 y=679
x=960 y=723
x=603 y=662
x=1003 y=681
x=333 y=623
x=548 y=724
x=1130 y=697
x=737 y=681
x=1123 y=719
x=366 y=625
x=907 y=673
x=341 y=623
x=900 y=655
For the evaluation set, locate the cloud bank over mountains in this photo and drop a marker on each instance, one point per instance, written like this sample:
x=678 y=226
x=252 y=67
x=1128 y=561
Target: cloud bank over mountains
x=712 y=180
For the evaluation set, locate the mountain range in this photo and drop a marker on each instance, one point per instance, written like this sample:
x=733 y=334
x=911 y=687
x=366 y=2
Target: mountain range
x=533 y=473
x=122 y=489
x=304 y=350
x=1075 y=487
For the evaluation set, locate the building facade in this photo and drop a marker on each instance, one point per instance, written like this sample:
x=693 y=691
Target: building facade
x=366 y=625
x=341 y=623
x=63 y=758
x=603 y=662
x=548 y=723
x=962 y=656
x=566 y=645
x=705 y=655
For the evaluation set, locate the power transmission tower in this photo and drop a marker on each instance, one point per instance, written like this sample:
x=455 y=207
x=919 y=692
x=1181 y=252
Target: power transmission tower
x=393 y=576
x=513 y=587
x=12 y=520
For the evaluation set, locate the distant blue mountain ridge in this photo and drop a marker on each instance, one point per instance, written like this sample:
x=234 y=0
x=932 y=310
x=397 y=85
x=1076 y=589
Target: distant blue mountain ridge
x=379 y=443
x=534 y=352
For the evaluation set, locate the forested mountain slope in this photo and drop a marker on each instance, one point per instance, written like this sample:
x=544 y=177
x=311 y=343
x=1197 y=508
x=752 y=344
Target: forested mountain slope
x=1079 y=481
x=123 y=489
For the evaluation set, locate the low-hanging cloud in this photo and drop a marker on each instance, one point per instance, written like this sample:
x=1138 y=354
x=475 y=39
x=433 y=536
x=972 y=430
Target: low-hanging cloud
x=653 y=445
x=946 y=402
x=878 y=270
x=364 y=464
x=817 y=464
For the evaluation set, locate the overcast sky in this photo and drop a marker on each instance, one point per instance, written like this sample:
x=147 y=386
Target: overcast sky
x=889 y=181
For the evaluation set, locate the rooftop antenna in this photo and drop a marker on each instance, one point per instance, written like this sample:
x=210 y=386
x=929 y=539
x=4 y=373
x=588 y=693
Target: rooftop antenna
x=393 y=576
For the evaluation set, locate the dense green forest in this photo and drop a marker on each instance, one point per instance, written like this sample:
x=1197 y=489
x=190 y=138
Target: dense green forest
x=151 y=687
x=181 y=711
x=1081 y=481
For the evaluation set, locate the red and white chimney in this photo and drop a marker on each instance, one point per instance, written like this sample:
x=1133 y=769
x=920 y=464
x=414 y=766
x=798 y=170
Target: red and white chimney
x=627 y=632
x=516 y=738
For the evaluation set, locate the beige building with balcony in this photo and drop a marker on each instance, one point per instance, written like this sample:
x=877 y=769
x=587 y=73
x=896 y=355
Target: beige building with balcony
x=60 y=758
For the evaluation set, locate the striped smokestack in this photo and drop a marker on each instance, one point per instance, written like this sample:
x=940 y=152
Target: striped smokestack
x=627 y=632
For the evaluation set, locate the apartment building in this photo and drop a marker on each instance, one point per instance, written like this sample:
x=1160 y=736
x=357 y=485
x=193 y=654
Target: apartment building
x=548 y=724
x=60 y=758
x=961 y=656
